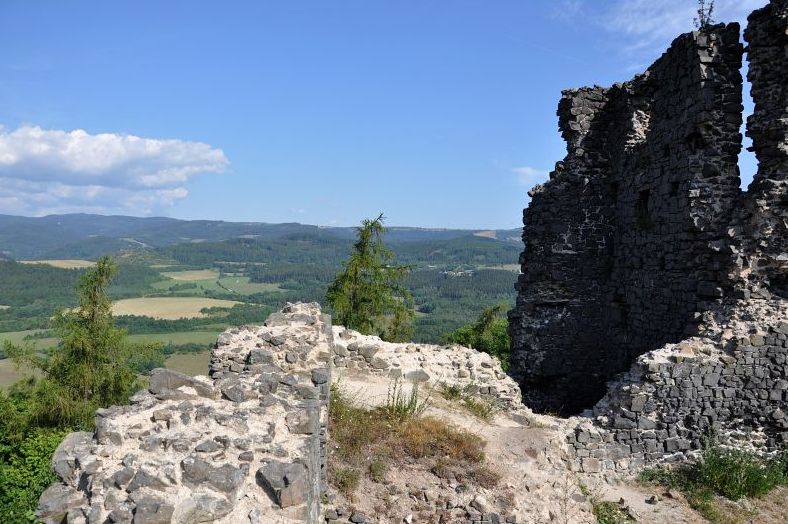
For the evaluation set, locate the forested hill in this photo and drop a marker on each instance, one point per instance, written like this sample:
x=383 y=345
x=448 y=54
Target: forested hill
x=90 y=236
x=310 y=248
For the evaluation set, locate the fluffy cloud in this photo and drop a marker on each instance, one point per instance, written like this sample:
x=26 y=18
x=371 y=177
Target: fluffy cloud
x=530 y=176
x=51 y=171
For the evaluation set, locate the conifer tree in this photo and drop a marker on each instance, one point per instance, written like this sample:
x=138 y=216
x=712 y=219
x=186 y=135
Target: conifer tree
x=93 y=366
x=369 y=295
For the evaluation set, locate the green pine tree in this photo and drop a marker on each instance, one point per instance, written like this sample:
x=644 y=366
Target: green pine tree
x=369 y=295
x=92 y=367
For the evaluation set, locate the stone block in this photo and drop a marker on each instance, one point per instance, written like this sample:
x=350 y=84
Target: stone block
x=285 y=482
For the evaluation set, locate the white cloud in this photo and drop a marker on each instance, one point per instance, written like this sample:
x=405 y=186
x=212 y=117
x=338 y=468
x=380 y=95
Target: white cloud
x=530 y=176
x=52 y=171
x=648 y=23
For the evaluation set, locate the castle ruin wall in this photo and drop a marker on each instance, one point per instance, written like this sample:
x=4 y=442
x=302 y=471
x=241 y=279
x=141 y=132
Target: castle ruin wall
x=623 y=242
x=649 y=280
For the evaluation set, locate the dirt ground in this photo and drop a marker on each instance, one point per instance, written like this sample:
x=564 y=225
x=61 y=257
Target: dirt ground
x=537 y=482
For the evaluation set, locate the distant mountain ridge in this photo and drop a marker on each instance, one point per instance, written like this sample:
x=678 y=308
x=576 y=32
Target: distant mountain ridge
x=85 y=235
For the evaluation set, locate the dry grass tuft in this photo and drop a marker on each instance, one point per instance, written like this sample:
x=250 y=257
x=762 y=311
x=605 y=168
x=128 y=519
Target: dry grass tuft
x=372 y=442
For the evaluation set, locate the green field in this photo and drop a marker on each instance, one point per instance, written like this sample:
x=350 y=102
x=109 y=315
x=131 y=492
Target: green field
x=186 y=337
x=235 y=284
x=63 y=264
x=191 y=276
x=18 y=337
x=190 y=363
x=242 y=286
x=168 y=308
x=9 y=374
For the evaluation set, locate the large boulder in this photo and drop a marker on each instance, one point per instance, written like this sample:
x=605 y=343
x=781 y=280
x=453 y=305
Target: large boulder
x=163 y=380
x=286 y=482
x=68 y=455
x=57 y=501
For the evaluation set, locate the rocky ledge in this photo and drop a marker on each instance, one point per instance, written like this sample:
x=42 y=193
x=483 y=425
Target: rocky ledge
x=248 y=442
x=244 y=445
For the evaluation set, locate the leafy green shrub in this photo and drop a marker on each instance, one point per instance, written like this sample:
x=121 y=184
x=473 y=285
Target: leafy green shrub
x=735 y=474
x=669 y=477
x=607 y=512
x=731 y=473
x=25 y=473
x=451 y=392
x=93 y=366
x=488 y=334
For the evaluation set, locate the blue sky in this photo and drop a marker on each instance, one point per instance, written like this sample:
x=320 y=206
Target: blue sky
x=440 y=113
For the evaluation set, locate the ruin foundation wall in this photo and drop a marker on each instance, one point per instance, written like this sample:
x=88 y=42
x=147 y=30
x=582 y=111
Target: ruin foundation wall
x=652 y=297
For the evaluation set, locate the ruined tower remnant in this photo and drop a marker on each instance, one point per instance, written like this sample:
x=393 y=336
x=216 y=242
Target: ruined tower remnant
x=642 y=230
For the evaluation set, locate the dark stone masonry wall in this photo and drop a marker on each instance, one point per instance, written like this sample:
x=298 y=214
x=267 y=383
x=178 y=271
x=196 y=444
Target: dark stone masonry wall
x=764 y=213
x=650 y=281
x=623 y=242
x=732 y=387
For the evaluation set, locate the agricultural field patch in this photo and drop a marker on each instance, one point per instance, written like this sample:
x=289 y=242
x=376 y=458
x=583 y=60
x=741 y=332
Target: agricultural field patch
x=486 y=234
x=9 y=374
x=243 y=286
x=18 y=337
x=190 y=363
x=178 y=337
x=63 y=264
x=239 y=285
x=506 y=267
x=168 y=308
x=193 y=275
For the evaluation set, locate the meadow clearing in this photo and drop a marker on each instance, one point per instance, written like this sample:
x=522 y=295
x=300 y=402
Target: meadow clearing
x=192 y=275
x=9 y=373
x=237 y=284
x=168 y=308
x=18 y=337
x=177 y=338
x=63 y=264
x=190 y=363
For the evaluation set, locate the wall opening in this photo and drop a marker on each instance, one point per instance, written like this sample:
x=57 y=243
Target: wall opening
x=748 y=163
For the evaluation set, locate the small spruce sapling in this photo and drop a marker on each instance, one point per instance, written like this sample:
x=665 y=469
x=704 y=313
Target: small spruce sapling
x=369 y=294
